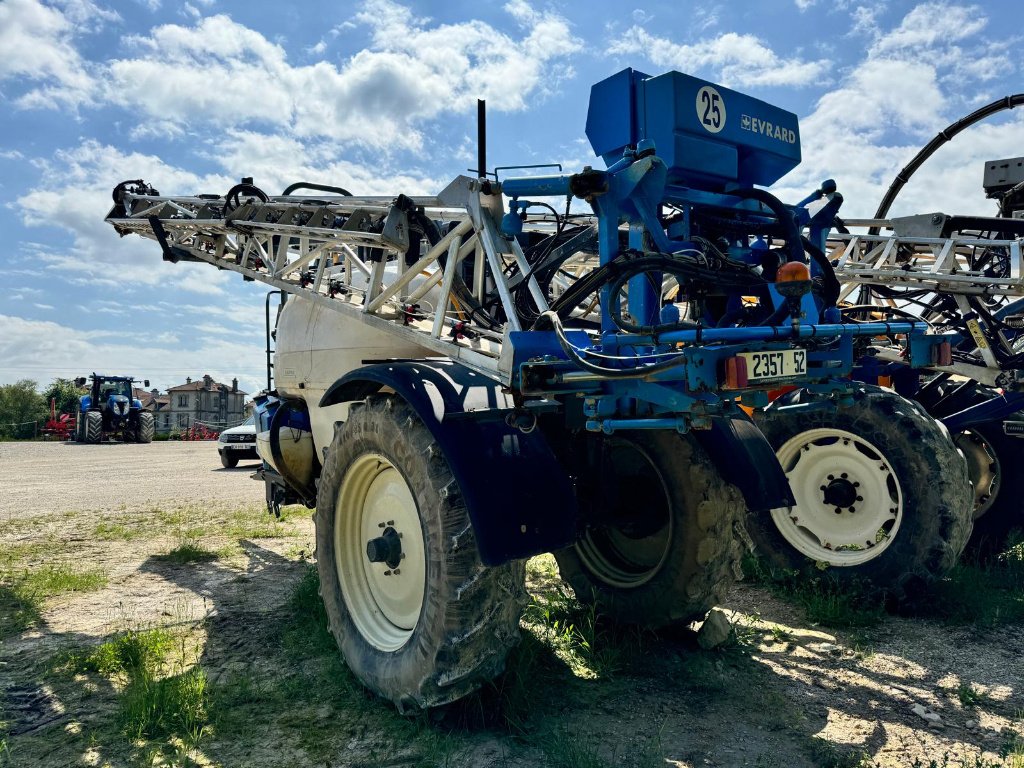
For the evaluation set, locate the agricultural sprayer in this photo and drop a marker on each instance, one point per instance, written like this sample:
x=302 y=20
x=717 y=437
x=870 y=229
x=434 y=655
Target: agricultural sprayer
x=469 y=379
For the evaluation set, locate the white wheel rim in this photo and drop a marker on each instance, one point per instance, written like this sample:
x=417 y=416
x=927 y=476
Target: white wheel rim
x=384 y=600
x=830 y=470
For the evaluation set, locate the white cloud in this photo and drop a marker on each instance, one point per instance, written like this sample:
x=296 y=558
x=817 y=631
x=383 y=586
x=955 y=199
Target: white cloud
x=78 y=183
x=43 y=349
x=223 y=73
x=38 y=48
x=910 y=85
x=732 y=58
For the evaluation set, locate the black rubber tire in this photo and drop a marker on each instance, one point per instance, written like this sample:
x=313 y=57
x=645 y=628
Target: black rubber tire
x=93 y=426
x=932 y=473
x=703 y=553
x=469 y=620
x=229 y=460
x=1004 y=512
x=80 y=427
x=146 y=428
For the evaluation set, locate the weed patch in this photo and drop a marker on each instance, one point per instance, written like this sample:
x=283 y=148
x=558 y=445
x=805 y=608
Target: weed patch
x=823 y=598
x=986 y=594
x=187 y=552
x=22 y=595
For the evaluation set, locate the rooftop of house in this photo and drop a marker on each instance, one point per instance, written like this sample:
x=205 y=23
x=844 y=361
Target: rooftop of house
x=206 y=384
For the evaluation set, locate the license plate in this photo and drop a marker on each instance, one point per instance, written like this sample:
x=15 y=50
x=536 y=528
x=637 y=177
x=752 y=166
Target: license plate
x=762 y=366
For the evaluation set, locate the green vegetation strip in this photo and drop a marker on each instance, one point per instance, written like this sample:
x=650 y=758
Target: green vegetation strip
x=22 y=593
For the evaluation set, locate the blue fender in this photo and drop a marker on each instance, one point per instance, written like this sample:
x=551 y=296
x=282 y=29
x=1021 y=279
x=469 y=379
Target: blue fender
x=747 y=460
x=519 y=498
x=85 y=403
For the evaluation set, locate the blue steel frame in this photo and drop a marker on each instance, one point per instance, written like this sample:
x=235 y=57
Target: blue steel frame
x=631 y=192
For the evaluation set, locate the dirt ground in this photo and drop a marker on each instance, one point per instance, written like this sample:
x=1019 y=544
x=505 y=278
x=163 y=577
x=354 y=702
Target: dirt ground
x=786 y=693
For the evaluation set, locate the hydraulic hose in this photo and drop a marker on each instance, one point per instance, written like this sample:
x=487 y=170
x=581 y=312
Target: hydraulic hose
x=318 y=187
x=783 y=214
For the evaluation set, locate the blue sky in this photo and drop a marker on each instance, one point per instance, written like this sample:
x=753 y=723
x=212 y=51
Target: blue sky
x=379 y=97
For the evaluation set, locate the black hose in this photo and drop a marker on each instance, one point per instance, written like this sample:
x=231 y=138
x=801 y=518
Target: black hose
x=611 y=373
x=783 y=214
x=828 y=272
x=318 y=187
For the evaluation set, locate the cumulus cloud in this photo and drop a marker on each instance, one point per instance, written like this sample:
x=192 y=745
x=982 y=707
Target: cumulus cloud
x=24 y=343
x=915 y=79
x=219 y=72
x=39 y=49
x=78 y=183
x=732 y=59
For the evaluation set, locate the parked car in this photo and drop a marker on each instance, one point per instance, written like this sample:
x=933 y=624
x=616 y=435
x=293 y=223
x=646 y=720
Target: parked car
x=238 y=443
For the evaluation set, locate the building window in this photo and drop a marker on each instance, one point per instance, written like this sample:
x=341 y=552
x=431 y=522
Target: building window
x=182 y=419
x=183 y=401
x=167 y=420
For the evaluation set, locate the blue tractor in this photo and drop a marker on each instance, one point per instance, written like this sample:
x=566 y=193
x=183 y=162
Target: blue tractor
x=110 y=410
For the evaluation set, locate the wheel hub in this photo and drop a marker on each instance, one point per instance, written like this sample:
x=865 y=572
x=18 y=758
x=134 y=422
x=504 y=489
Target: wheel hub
x=840 y=493
x=386 y=548
x=848 y=499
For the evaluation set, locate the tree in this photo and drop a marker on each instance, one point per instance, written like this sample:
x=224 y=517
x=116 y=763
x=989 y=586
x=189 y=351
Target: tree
x=21 y=407
x=65 y=393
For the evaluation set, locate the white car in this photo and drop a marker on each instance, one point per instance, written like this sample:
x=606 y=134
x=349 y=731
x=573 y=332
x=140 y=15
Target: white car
x=238 y=443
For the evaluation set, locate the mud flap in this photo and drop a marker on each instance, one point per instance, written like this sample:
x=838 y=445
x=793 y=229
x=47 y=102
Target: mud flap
x=747 y=460
x=520 y=500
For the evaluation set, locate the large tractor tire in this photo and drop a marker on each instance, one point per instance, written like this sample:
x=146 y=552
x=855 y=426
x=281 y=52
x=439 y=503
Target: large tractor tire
x=660 y=547
x=80 y=428
x=883 y=496
x=146 y=428
x=93 y=426
x=994 y=459
x=419 y=619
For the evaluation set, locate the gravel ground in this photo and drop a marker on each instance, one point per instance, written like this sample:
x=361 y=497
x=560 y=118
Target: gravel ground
x=907 y=693
x=66 y=477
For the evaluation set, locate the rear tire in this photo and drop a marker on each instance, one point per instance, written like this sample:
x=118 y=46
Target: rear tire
x=93 y=426
x=430 y=624
x=662 y=550
x=994 y=459
x=228 y=460
x=146 y=428
x=883 y=495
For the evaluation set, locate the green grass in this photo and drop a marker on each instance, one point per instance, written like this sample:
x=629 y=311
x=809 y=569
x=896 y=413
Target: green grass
x=22 y=594
x=154 y=707
x=986 y=594
x=824 y=599
x=126 y=654
x=969 y=695
x=151 y=704
x=109 y=531
x=187 y=552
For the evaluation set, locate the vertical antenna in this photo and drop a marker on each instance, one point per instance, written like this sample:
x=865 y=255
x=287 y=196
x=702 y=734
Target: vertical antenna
x=481 y=137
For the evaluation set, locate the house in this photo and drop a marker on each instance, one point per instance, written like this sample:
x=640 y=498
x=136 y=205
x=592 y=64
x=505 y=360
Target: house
x=159 y=404
x=205 y=402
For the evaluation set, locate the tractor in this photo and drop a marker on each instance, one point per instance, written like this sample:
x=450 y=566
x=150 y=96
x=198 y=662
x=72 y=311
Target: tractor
x=111 y=411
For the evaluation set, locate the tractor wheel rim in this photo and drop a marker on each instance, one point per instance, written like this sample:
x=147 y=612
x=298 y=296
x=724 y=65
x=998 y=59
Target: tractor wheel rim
x=622 y=561
x=849 y=503
x=383 y=600
x=983 y=469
